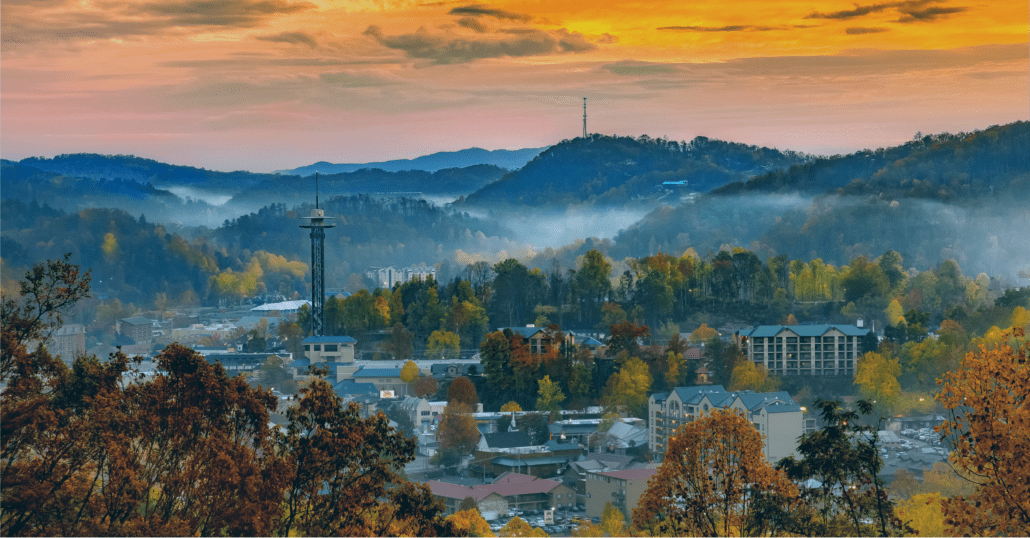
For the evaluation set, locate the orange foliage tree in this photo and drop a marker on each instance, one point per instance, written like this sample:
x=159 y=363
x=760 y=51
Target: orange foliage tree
x=990 y=428
x=714 y=481
x=99 y=449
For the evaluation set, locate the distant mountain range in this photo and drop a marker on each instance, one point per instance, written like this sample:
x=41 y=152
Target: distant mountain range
x=503 y=158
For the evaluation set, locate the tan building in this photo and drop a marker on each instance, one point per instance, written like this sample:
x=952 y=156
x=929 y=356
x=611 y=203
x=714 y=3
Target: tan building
x=512 y=490
x=537 y=338
x=329 y=349
x=803 y=349
x=774 y=414
x=621 y=488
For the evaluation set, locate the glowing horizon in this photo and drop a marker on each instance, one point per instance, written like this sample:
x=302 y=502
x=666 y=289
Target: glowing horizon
x=273 y=84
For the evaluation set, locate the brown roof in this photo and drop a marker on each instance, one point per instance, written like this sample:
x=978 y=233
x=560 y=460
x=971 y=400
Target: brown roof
x=519 y=486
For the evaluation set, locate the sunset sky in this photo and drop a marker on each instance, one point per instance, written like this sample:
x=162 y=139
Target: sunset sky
x=262 y=85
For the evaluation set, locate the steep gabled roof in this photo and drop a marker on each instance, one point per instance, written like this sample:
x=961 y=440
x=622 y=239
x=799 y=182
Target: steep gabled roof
x=692 y=395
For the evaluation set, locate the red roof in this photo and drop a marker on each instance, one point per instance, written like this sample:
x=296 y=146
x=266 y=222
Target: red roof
x=514 y=478
x=693 y=353
x=631 y=474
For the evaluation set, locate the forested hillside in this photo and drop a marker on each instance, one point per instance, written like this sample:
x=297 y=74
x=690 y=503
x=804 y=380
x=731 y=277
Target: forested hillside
x=454 y=181
x=264 y=251
x=609 y=170
x=942 y=167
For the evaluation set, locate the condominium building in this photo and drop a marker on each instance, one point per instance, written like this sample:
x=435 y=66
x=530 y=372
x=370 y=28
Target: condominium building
x=803 y=349
x=774 y=414
x=386 y=277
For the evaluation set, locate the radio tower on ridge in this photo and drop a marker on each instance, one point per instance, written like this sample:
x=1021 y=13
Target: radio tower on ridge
x=584 y=117
x=316 y=222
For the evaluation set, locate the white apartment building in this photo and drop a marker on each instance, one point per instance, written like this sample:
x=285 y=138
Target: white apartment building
x=386 y=277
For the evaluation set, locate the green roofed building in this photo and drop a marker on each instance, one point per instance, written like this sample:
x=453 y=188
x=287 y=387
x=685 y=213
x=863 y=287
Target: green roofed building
x=819 y=350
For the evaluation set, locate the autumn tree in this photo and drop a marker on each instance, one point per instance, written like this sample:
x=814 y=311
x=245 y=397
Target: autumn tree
x=550 y=398
x=714 y=481
x=750 y=376
x=462 y=391
x=703 y=333
x=345 y=472
x=517 y=527
x=457 y=434
x=877 y=378
x=613 y=521
x=409 y=372
x=925 y=514
x=511 y=406
x=468 y=522
x=627 y=390
x=425 y=386
x=989 y=426
x=443 y=344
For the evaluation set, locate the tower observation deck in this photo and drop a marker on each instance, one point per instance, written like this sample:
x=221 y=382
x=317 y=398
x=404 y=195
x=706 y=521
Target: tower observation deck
x=316 y=222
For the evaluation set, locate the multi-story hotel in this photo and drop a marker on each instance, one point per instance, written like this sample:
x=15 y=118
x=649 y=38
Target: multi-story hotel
x=774 y=414
x=803 y=349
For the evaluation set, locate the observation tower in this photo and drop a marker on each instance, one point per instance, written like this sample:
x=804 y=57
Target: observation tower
x=317 y=223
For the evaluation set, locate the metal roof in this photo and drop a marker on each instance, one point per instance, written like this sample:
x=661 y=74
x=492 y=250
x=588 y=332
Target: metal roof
x=530 y=462
x=328 y=340
x=764 y=331
x=632 y=474
x=377 y=372
x=525 y=332
x=284 y=305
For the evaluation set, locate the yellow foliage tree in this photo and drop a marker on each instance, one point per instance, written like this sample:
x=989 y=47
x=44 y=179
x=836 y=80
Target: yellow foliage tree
x=627 y=389
x=613 y=521
x=750 y=376
x=712 y=482
x=469 y=523
x=895 y=313
x=924 y=513
x=110 y=247
x=443 y=343
x=511 y=406
x=703 y=333
x=1020 y=318
x=990 y=429
x=517 y=527
x=409 y=372
x=877 y=378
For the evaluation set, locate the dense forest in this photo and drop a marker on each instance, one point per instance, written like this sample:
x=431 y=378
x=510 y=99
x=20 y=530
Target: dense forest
x=610 y=170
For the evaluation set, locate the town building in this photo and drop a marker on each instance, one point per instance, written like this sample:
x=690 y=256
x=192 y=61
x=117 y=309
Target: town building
x=511 y=490
x=622 y=489
x=538 y=339
x=774 y=414
x=67 y=341
x=387 y=277
x=819 y=350
x=329 y=349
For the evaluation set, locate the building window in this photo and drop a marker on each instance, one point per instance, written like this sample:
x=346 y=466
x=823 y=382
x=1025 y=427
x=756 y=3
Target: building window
x=307 y=347
x=331 y=347
x=318 y=347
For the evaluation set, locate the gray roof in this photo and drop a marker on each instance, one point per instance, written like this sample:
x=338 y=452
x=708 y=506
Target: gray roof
x=299 y=363
x=802 y=330
x=328 y=340
x=529 y=462
x=377 y=372
x=694 y=394
x=137 y=320
x=773 y=402
x=507 y=439
x=525 y=332
x=350 y=388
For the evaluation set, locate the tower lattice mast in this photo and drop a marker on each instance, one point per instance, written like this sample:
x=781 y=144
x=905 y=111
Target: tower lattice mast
x=316 y=222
